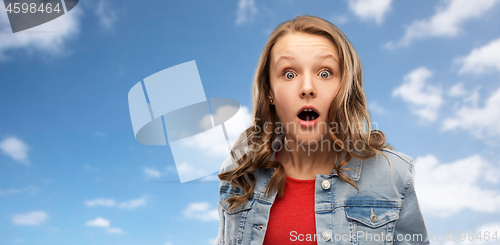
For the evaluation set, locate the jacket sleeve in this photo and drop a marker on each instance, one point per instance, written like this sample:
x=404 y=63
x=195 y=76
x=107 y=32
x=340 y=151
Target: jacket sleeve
x=220 y=234
x=410 y=227
x=226 y=165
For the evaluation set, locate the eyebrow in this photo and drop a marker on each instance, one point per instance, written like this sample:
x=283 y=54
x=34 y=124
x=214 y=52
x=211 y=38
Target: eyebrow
x=320 y=56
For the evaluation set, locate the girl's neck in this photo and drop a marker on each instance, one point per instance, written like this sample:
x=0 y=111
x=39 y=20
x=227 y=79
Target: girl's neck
x=305 y=165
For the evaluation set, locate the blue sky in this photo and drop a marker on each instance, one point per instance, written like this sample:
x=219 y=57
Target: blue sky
x=71 y=171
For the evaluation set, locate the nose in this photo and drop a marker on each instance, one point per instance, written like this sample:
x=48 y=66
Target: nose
x=307 y=90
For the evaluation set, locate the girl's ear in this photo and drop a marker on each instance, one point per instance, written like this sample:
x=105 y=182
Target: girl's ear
x=270 y=96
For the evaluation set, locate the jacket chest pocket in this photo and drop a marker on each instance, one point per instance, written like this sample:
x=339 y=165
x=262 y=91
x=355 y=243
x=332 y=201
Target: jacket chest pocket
x=372 y=224
x=234 y=221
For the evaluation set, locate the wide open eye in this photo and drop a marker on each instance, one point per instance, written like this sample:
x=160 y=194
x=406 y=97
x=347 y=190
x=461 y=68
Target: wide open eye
x=325 y=74
x=289 y=74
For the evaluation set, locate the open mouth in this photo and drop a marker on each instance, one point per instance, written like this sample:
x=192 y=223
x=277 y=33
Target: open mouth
x=308 y=115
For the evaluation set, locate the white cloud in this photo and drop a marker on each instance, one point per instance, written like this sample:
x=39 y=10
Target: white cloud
x=106 y=14
x=114 y=230
x=337 y=19
x=100 y=202
x=205 y=142
x=481 y=60
x=485 y=231
x=474 y=96
x=246 y=11
x=246 y=116
x=457 y=90
x=130 y=204
x=210 y=178
x=375 y=107
x=151 y=173
x=424 y=99
x=98 y=222
x=104 y=223
x=468 y=96
x=369 y=10
x=444 y=189
x=491 y=227
x=15 y=148
x=211 y=144
x=482 y=122
x=49 y=38
x=206 y=122
x=134 y=203
x=185 y=168
x=31 y=189
x=446 y=22
x=201 y=211
x=32 y=218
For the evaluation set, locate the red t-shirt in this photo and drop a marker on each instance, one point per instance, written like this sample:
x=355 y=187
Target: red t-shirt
x=291 y=219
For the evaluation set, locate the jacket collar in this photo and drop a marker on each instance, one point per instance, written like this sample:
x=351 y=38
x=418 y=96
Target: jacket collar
x=354 y=163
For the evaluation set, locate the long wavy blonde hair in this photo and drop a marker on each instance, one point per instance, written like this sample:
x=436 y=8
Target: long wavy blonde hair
x=349 y=108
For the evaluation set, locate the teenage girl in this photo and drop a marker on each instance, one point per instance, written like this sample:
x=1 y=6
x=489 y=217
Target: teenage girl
x=311 y=170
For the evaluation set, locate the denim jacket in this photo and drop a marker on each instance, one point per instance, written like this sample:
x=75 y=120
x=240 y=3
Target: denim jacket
x=385 y=211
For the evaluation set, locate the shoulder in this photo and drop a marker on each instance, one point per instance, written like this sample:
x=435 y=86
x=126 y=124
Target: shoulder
x=261 y=177
x=402 y=162
x=225 y=186
x=228 y=164
x=402 y=156
x=389 y=166
x=397 y=160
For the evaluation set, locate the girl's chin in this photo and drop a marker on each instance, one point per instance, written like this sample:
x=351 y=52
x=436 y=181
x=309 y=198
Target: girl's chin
x=302 y=127
x=308 y=137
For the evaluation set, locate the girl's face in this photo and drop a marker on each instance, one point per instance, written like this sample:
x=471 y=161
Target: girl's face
x=305 y=78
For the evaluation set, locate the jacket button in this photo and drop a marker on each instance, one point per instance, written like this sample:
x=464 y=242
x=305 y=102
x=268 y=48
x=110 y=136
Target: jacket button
x=327 y=235
x=373 y=216
x=325 y=184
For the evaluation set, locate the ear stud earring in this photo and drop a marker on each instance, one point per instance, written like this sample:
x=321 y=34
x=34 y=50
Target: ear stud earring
x=271 y=101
